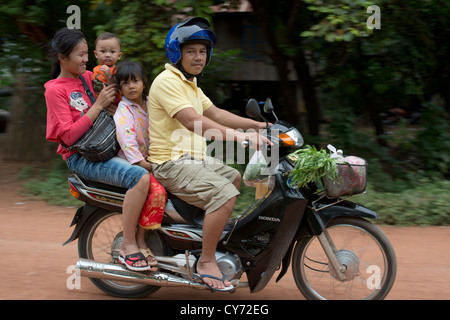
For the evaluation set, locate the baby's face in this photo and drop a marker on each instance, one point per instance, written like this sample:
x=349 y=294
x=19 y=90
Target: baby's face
x=108 y=51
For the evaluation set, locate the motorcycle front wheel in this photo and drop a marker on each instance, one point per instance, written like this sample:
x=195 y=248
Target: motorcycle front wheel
x=101 y=240
x=367 y=256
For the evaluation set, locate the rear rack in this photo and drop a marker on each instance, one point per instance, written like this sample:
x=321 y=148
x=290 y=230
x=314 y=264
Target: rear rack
x=101 y=196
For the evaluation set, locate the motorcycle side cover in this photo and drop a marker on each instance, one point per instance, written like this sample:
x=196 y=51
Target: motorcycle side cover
x=286 y=204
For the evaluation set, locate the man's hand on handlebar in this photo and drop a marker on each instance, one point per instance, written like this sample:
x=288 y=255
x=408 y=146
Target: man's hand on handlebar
x=253 y=139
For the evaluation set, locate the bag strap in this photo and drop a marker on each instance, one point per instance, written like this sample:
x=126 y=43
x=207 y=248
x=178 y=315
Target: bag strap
x=91 y=98
x=87 y=90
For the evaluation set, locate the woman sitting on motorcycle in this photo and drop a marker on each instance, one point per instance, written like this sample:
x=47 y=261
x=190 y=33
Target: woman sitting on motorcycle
x=70 y=114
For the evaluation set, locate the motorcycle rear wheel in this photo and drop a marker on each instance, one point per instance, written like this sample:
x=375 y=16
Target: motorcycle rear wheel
x=361 y=247
x=100 y=240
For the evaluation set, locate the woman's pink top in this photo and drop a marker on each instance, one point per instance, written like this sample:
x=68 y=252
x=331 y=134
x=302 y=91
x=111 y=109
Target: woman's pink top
x=66 y=99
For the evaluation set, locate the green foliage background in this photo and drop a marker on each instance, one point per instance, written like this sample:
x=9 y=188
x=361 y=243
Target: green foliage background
x=349 y=76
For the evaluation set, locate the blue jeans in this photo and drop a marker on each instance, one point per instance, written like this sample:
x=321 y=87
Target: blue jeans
x=116 y=171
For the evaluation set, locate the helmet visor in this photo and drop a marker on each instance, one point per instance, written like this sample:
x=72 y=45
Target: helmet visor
x=193 y=32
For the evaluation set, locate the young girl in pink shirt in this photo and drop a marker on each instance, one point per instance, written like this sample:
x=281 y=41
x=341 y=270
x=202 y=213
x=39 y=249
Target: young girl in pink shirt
x=132 y=133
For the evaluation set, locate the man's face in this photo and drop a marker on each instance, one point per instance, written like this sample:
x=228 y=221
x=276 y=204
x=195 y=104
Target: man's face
x=193 y=57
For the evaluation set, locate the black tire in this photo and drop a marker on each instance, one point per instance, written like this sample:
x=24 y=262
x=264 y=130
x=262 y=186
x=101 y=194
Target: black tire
x=95 y=225
x=311 y=269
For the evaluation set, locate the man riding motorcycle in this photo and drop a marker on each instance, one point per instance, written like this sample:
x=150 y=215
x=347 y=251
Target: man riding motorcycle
x=177 y=104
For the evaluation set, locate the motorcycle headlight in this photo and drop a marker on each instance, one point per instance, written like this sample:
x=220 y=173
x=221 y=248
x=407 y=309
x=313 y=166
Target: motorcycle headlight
x=291 y=138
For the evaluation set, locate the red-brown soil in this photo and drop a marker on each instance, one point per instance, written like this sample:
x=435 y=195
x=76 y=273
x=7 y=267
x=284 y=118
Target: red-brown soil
x=34 y=263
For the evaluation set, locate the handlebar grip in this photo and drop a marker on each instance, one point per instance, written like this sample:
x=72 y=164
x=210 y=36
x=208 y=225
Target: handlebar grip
x=247 y=143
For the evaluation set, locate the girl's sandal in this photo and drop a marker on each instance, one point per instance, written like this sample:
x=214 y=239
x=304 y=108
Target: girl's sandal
x=131 y=259
x=148 y=253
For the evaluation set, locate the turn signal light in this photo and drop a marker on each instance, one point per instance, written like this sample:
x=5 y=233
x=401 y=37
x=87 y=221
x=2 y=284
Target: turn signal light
x=287 y=139
x=73 y=191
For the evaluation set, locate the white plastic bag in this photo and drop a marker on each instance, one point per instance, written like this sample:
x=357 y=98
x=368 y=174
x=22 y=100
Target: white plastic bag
x=256 y=170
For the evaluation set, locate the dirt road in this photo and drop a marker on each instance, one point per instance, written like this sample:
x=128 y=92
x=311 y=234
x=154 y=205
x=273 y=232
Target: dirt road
x=35 y=265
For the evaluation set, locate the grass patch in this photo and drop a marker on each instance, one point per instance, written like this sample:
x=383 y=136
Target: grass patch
x=428 y=203
x=49 y=183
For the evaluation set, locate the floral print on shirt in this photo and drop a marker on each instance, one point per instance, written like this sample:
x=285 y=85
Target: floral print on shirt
x=132 y=131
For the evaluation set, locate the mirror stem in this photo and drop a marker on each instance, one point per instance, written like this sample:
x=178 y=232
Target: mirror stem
x=275 y=116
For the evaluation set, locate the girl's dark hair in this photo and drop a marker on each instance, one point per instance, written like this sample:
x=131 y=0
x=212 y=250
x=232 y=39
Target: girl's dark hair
x=63 y=42
x=127 y=70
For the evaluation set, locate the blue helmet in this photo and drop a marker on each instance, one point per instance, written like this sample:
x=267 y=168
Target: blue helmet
x=192 y=29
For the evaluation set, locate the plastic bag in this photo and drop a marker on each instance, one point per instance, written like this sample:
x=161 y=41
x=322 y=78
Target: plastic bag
x=256 y=170
x=352 y=173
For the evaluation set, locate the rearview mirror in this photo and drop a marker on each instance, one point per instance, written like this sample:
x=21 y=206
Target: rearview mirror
x=268 y=106
x=252 y=109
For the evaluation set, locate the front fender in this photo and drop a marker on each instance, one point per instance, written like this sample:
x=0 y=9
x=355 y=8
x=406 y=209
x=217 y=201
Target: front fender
x=322 y=213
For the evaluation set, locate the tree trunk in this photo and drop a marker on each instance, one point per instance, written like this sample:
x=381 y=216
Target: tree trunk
x=369 y=96
x=307 y=83
x=261 y=10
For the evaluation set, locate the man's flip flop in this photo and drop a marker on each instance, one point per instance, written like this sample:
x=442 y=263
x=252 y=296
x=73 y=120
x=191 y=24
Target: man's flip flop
x=226 y=289
x=131 y=259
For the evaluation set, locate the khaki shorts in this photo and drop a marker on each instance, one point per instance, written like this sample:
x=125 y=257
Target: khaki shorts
x=207 y=184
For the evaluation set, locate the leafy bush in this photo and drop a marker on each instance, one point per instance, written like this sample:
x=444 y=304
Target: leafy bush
x=425 y=204
x=433 y=141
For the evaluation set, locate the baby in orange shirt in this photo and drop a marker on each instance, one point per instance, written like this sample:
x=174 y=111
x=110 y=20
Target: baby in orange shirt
x=108 y=52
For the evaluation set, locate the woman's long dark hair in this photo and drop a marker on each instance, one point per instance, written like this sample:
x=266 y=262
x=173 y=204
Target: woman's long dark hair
x=63 y=42
x=131 y=70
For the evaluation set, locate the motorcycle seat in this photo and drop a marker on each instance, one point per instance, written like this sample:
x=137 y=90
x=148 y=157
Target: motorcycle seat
x=102 y=186
x=190 y=213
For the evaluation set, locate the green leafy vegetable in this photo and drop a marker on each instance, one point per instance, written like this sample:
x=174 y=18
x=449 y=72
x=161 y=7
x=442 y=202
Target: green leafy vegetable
x=311 y=165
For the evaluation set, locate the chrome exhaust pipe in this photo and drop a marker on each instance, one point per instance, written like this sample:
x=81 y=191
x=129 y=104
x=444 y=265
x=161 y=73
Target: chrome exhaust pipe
x=116 y=272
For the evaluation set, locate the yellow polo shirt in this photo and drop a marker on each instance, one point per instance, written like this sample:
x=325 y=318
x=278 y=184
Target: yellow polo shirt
x=169 y=93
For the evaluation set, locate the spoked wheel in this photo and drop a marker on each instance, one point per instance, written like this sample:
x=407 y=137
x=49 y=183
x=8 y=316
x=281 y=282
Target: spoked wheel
x=367 y=260
x=101 y=240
